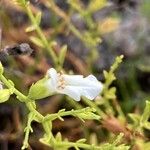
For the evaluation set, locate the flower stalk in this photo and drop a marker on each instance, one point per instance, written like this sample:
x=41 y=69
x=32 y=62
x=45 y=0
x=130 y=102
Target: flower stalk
x=40 y=33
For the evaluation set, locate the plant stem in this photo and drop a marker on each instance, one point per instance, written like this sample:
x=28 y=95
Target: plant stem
x=80 y=145
x=93 y=105
x=41 y=35
x=29 y=103
x=28 y=129
x=73 y=103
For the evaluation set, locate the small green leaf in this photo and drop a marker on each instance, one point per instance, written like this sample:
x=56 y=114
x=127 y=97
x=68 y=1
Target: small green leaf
x=4 y=95
x=38 y=17
x=48 y=134
x=86 y=113
x=118 y=139
x=62 y=54
x=58 y=137
x=111 y=93
x=60 y=118
x=96 y=5
x=146 y=113
x=112 y=77
x=45 y=140
x=37 y=41
x=31 y=28
x=147 y=125
x=62 y=110
x=81 y=141
x=76 y=148
x=105 y=74
x=21 y=2
x=135 y=118
x=145 y=116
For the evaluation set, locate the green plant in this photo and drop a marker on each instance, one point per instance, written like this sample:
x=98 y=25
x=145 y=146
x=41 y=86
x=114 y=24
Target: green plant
x=105 y=110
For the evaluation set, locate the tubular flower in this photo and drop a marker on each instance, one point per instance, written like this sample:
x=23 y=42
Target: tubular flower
x=74 y=86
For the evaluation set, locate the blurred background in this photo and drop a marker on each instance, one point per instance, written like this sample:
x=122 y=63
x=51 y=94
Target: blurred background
x=94 y=37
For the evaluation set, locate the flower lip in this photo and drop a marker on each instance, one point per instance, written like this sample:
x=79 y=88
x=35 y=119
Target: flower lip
x=74 y=86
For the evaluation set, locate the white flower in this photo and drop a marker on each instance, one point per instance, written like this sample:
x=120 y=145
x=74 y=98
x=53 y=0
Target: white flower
x=74 y=86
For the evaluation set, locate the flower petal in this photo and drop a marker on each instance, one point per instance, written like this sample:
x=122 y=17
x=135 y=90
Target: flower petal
x=50 y=86
x=73 y=80
x=94 y=88
x=91 y=92
x=73 y=92
x=78 y=80
x=54 y=77
x=91 y=78
x=89 y=87
x=75 y=85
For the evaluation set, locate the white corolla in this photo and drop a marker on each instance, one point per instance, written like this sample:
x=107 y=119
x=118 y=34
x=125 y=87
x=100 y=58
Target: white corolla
x=74 y=86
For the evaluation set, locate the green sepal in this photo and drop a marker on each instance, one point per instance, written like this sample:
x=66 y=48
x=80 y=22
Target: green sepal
x=39 y=90
x=4 y=95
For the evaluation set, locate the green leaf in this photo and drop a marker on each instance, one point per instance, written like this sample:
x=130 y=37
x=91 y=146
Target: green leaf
x=118 y=139
x=111 y=93
x=105 y=74
x=62 y=110
x=37 y=41
x=21 y=2
x=62 y=54
x=145 y=116
x=96 y=5
x=4 y=95
x=86 y=113
x=135 y=118
x=44 y=140
x=58 y=137
x=38 y=17
x=147 y=125
x=81 y=141
x=48 y=134
x=31 y=28
x=76 y=148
